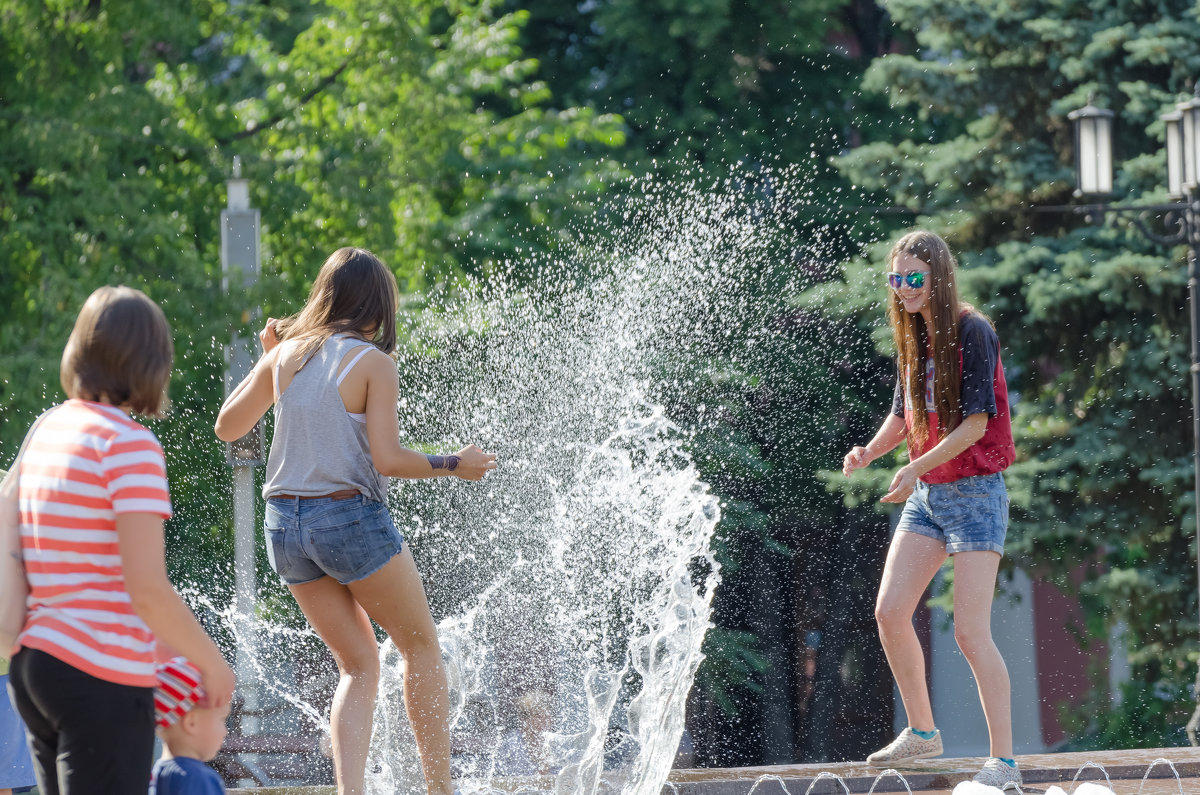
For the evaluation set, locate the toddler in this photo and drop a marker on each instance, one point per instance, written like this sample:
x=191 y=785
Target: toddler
x=191 y=732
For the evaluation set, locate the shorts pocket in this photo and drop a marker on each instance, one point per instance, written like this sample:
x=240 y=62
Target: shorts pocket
x=339 y=549
x=352 y=542
x=275 y=552
x=275 y=535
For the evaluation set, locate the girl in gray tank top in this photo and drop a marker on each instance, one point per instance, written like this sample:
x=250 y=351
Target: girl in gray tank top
x=319 y=447
x=334 y=387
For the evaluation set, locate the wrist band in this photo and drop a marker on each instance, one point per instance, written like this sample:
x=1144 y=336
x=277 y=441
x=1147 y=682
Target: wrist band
x=447 y=462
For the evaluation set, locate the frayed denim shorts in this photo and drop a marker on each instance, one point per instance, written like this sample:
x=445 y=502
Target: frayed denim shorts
x=967 y=515
x=347 y=539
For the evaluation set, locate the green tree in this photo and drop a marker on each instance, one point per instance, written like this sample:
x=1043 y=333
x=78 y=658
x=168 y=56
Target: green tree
x=1091 y=318
x=414 y=128
x=709 y=81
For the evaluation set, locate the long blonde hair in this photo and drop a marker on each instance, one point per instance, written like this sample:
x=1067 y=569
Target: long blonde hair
x=915 y=342
x=354 y=292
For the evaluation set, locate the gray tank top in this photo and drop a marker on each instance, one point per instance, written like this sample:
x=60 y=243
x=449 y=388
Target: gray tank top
x=319 y=447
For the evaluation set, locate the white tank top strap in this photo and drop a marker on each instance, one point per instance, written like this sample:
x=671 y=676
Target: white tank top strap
x=366 y=348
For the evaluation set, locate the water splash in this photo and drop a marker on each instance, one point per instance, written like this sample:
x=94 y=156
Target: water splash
x=606 y=621
x=890 y=772
x=822 y=776
x=1089 y=787
x=597 y=526
x=1095 y=765
x=971 y=787
x=265 y=639
x=578 y=579
x=777 y=779
x=1174 y=772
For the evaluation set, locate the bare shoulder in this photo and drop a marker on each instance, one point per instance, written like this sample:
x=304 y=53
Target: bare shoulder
x=379 y=365
x=273 y=356
x=284 y=353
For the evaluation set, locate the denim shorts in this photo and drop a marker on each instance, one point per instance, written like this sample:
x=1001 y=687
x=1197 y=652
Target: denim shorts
x=967 y=515
x=345 y=539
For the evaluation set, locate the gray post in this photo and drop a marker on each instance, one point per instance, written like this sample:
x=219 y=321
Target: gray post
x=1191 y=228
x=240 y=269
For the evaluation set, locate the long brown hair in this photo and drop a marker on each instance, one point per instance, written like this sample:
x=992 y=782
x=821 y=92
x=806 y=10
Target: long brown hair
x=354 y=292
x=915 y=342
x=119 y=352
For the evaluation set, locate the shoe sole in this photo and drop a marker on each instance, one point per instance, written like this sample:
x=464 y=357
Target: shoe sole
x=891 y=762
x=1008 y=785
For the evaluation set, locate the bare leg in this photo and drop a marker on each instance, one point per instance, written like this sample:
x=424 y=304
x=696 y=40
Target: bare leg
x=974 y=587
x=912 y=561
x=344 y=626
x=395 y=598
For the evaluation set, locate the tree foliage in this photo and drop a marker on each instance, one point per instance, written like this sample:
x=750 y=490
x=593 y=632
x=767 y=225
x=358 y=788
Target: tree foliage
x=707 y=81
x=409 y=127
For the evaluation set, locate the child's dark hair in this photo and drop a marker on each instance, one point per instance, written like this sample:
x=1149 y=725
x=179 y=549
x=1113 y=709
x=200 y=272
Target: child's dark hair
x=119 y=352
x=354 y=292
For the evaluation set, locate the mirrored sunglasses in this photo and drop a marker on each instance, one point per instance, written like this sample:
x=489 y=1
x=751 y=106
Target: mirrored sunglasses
x=913 y=280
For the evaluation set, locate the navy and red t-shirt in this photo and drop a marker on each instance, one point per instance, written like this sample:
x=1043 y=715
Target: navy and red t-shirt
x=984 y=391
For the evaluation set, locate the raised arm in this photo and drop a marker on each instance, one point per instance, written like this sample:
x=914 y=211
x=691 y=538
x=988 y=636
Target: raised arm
x=253 y=396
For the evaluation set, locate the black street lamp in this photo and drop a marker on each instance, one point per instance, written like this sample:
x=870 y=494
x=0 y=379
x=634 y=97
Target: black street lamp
x=1181 y=225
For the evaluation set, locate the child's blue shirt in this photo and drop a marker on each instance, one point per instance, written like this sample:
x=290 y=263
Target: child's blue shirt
x=183 y=775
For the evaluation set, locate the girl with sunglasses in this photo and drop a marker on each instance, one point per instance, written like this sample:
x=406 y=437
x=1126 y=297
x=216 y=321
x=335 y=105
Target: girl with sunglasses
x=951 y=406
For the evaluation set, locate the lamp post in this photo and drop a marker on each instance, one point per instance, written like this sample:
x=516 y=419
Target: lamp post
x=240 y=267
x=1093 y=149
x=1181 y=225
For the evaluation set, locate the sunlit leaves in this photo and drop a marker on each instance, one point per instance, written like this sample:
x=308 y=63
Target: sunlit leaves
x=353 y=121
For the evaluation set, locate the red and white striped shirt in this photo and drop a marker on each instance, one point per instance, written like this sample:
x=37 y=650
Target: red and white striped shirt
x=85 y=464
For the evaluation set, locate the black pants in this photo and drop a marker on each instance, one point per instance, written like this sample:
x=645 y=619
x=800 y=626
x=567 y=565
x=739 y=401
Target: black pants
x=89 y=736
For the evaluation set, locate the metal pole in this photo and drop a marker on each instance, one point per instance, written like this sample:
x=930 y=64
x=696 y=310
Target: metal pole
x=240 y=268
x=1191 y=225
x=244 y=576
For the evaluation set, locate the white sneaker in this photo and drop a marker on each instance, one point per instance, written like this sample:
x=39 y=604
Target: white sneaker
x=907 y=747
x=998 y=774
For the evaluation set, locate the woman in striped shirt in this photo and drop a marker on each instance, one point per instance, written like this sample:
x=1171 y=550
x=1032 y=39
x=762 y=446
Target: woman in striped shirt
x=93 y=498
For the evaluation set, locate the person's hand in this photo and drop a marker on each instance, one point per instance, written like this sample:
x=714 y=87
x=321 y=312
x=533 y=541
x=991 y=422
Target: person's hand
x=473 y=463
x=267 y=336
x=902 y=485
x=218 y=682
x=855 y=459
